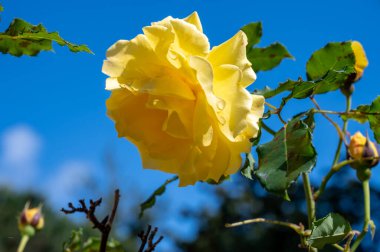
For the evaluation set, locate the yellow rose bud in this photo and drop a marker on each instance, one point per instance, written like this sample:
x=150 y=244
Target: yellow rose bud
x=361 y=149
x=361 y=61
x=30 y=217
x=184 y=106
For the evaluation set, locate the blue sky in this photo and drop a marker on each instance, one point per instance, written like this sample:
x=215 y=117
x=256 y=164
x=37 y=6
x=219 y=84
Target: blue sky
x=53 y=125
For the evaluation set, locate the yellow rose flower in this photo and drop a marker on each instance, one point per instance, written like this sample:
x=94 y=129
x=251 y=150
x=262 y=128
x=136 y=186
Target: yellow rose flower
x=361 y=147
x=361 y=61
x=184 y=106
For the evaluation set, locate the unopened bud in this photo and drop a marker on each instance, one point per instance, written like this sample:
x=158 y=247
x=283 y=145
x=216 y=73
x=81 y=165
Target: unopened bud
x=30 y=218
x=363 y=151
x=361 y=61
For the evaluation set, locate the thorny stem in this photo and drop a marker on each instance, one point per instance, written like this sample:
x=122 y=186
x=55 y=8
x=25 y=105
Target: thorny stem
x=24 y=240
x=309 y=199
x=367 y=215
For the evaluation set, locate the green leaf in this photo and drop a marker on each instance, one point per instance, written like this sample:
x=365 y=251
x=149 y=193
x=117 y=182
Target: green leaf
x=92 y=244
x=374 y=120
x=283 y=159
x=267 y=92
x=267 y=58
x=357 y=115
x=220 y=181
x=334 y=56
x=248 y=166
x=254 y=31
x=328 y=69
x=300 y=89
x=329 y=230
x=151 y=201
x=369 y=113
x=333 y=80
x=23 y=38
x=1 y=8
x=75 y=241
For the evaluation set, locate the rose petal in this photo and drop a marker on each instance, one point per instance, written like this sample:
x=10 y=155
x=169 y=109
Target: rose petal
x=233 y=52
x=193 y=19
x=143 y=126
x=188 y=39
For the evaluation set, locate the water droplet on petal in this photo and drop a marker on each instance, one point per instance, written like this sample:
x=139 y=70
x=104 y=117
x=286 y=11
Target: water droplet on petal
x=220 y=104
x=156 y=102
x=222 y=120
x=208 y=136
x=172 y=55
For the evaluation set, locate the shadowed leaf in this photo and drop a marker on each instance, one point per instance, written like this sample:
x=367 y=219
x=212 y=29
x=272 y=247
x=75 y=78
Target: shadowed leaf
x=283 y=159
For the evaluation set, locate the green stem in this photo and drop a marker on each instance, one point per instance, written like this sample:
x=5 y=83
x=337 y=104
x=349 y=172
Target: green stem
x=367 y=215
x=280 y=117
x=309 y=199
x=336 y=126
x=267 y=128
x=271 y=106
x=344 y=130
x=334 y=169
x=349 y=113
x=337 y=247
x=295 y=227
x=23 y=242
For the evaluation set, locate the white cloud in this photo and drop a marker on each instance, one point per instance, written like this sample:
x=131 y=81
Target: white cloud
x=19 y=153
x=71 y=180
x=20 y=169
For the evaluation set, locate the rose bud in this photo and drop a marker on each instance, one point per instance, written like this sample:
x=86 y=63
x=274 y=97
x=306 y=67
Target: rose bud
x=363 y=151
x=30 y=219
x=361 y=61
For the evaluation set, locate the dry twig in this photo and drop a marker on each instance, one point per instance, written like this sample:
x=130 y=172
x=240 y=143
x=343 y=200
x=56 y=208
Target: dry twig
x=147 y=238
x=103 y=226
